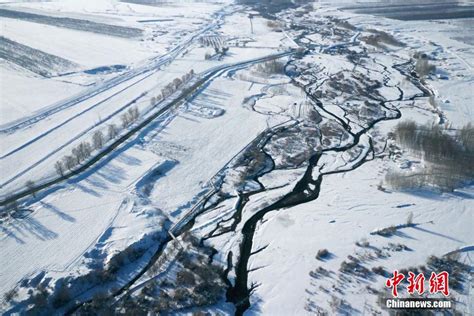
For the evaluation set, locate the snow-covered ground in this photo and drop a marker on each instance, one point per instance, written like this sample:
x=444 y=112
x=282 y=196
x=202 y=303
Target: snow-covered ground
x=167 y=25
x=349 y=208
x=283 y=272
x=96 y=210
x=228 y=162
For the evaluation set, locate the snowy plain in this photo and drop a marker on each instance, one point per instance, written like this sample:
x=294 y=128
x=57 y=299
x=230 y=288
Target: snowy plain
x=197 y=147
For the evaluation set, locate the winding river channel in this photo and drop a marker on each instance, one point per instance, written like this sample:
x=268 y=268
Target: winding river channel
x=308 y=188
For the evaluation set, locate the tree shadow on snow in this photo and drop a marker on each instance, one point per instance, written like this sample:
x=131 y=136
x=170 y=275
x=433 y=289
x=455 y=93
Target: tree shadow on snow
x=87 y=190
x=437 y=234
x=58 y=212
x=10 y=234
x=129 y=160
x=33 y=226
x=438 y=196
x=112 y=174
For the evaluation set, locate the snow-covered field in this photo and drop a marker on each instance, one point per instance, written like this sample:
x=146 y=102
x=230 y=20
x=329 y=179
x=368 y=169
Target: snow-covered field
x=274 y=147
x=349 y=208
x=91 y=50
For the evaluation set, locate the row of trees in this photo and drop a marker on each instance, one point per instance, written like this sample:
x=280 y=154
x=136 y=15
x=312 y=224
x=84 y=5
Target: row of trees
x=83 y=151
x=449 y=155
x=173 y=86
x=436 y=143
x=129 y=117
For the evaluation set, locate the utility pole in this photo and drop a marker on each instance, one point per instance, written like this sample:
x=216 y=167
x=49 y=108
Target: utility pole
x=251 y=23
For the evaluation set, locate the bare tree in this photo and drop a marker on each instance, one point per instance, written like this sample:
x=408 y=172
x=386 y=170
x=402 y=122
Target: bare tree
x=76 y=154
x=466 y=137
x=98 y=140
x=112 y=131
x=410 y=219
x=69 y=162
x=30 y=185
x=170 y=88
x=177 y=83
x=187 y=76
x=136 y=113
x=125 y=120
x=81 y=152
x=59 y=166
x=406 y=132
x=165 y=92
x=85 y=149
x=133 y=114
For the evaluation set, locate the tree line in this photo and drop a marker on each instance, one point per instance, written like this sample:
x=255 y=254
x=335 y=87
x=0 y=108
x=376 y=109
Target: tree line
x=448 y=153
x=173 y=86
x=83 y=151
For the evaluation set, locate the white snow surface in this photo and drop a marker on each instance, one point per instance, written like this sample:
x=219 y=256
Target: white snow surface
x=165 y=169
